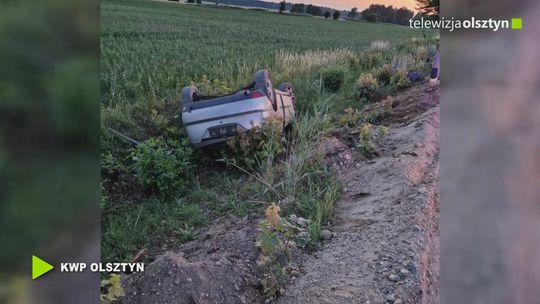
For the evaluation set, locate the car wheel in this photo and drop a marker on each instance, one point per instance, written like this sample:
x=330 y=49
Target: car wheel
x=264 y=84
x=190 y=94
x=289 y=89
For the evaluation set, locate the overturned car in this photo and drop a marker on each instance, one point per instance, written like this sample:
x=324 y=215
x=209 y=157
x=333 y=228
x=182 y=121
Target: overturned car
x=212 y=120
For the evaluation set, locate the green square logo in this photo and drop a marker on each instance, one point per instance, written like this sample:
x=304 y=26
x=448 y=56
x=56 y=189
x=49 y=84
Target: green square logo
x=517 y=23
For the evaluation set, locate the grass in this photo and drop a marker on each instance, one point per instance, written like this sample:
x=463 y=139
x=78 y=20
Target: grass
x=126 y=229
x=152 y=49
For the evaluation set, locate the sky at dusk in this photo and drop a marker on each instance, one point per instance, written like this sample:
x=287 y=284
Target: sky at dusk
x=361 y=4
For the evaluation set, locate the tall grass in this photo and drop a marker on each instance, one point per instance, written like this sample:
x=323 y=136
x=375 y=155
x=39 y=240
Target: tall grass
x=290 y=64
x=379 y=46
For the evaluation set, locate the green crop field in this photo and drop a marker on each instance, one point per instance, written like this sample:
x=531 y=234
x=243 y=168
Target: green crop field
x=157 y=193
x=154 y=48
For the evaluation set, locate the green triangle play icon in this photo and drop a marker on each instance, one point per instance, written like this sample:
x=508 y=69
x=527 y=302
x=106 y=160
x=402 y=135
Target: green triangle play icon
x=40 y=267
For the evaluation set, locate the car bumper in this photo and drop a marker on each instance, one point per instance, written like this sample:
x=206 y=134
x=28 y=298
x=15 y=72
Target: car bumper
x=245 y=115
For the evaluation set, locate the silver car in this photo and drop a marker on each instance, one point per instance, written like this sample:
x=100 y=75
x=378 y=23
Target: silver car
x=212 y=120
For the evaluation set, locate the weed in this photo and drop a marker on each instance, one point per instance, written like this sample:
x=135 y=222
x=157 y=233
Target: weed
x=367 y=87
x=275 y=241
x=350 y=118
x=256 y=148
x=113 y=287
x=399 y=80
x=354 y=63
x=368 y=60
x=421 y=54
x=332 y=78
x=379 y=46
x=381 y=110
x=162 y=166
x=388 y=104
x=381 y=134
x=111 y=165
x=385 y=74
x=403 y=62
x=365 y=144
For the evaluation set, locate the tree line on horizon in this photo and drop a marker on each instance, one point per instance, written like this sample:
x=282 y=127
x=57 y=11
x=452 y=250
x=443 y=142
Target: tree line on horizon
x=374 y=13
x=310 y=9
x=387 y=14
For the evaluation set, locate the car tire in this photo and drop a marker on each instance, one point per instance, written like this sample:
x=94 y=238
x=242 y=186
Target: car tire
x=289 y=89
x=190 y=94
x=264 y=84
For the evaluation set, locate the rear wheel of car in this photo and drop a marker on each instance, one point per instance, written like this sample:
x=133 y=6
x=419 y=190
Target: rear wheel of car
x=263 y=83
x=289 y=89
x=190 y=94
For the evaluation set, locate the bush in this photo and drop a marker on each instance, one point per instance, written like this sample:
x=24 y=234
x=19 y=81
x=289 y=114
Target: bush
x=113 y=165
x=163 y=166
x=350 y=118
x=365 y=146
x=385 y=74
x=367 y=87
x=400 y=80
x=332 y=78
x=370 y=60
x=256 y=148
x=354 y=63
x=421 y=54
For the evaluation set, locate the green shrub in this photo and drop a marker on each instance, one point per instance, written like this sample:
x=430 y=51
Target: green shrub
x=354 y=63
x=350 y=118
x=163 y=166
x=384 y=74
x=399 y=80
x=383 y=131
x=275 y=253
x=370 y=60
x=365 y=145
x=367 y=87
x=256 y=148
x=421 y=53
x=332 y=78
x=112 y=164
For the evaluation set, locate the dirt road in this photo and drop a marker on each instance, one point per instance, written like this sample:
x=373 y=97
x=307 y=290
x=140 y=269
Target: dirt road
x=385 y=248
